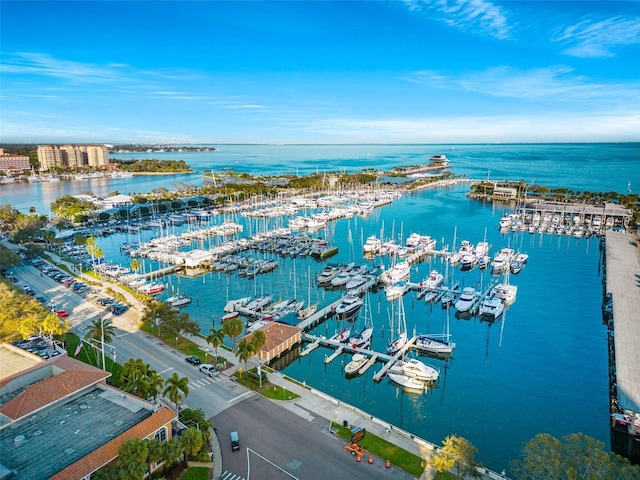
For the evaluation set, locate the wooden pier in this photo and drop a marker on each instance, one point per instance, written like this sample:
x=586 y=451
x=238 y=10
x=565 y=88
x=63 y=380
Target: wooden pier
x=372 y=360
x=312 y=320
x=383 y=371
x=334 y=355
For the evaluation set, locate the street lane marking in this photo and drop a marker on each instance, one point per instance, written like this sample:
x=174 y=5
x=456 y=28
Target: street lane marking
x=165 y=370
x=235 y=399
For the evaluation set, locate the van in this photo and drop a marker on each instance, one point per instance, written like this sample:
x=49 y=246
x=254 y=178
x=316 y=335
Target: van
x=235 y=441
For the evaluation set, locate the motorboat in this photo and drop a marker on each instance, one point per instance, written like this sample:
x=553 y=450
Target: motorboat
x=259 y=302
x=410 y=383
x=482 y=248
x=491 y=308
x=328 y=274
x=151 y=288
x=483 y=262
x=356 y=281
x=416 y=369
x=434 y=279
x=340 y=280
x=468 y=261
x=349 y=306
x=435 y=345
x=396 y=290
x=505 y=292
x=438 y=159
x=178 y=301
x=400 y=271
x=372 y=245
x=464 y=303
x=358 y=361
x=450 y=296
x=232 y=305
x=516 y=266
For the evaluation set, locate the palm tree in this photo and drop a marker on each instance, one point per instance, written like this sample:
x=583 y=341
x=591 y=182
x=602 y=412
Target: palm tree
x=132 y=459
x=172 y=450
x=135 y=265
x=216 y=339
x=155 y=453
x=176 y=389
x=101 y=330
x=155 y=384
x=244 y=351
x=192 y=441
x=134 y=377
x=195 y=417
x=258 y=339
x=233 y=328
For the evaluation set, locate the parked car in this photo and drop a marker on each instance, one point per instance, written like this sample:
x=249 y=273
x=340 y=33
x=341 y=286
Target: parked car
x=193 y=360
x=62 y=313
x=208 y=369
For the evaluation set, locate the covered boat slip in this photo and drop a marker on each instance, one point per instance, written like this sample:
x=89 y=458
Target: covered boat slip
x=623 y=283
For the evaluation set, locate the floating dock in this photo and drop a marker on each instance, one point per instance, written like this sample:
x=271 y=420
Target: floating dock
x=383 y=371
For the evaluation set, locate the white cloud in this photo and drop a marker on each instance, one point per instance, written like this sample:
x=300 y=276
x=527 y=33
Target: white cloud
x=591 y=38
x=557 y=83
x=474 y=16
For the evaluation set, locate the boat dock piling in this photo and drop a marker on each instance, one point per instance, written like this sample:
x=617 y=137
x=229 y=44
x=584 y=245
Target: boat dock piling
x=383 y=371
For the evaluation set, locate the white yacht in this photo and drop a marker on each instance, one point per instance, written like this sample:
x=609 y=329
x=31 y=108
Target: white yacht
x=396 y=290
x=372 y=245
x=434 y=345
x=468 y=296
x=416 y=369
x=410 y=383
x=491 y=308
x=349 y=306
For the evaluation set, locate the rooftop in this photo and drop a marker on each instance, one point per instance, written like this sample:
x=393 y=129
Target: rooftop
x=62 y=434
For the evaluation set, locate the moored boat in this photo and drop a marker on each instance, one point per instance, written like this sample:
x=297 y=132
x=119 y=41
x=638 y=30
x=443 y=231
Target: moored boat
x=357 y=362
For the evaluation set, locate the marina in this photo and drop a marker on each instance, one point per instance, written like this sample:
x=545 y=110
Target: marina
x=527 y=367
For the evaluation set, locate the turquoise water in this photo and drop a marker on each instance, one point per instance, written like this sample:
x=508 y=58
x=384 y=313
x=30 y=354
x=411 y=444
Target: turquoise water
x=541 y=368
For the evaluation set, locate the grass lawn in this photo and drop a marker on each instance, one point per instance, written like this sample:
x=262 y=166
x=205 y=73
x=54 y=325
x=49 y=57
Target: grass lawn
x=278 y=393
x=93 y=357
x=386 y=450
x=196 y=473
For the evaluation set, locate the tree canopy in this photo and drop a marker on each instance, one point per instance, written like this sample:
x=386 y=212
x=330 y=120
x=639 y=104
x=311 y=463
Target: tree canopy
x=576 y=457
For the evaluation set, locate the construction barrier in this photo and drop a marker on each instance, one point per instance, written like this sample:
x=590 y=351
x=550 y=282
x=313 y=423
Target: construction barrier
x=388 y=464
x=358 y=457
x=370 y=458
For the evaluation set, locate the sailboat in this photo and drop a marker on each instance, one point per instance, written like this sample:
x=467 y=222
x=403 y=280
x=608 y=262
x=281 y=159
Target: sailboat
x=363 y=338
x=437 y=344
x=397 y=343
x=311 y=308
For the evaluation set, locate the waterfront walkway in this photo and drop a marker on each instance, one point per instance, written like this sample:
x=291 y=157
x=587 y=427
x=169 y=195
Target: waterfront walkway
x=623 y=282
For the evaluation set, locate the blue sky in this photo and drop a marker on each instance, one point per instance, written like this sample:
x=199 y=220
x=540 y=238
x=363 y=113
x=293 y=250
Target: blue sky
x=413 y=71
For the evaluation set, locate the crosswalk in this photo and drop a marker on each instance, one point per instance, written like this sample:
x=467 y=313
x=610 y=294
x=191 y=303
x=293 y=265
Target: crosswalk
x=227 y=475
x=203 y=382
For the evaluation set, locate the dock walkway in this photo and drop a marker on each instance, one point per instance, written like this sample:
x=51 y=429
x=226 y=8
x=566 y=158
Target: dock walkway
x=623 y=282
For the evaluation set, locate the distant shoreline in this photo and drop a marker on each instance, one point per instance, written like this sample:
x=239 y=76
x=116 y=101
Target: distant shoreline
x=152 y=174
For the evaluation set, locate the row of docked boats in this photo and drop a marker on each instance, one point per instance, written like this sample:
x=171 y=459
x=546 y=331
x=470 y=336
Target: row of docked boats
x=554 y=223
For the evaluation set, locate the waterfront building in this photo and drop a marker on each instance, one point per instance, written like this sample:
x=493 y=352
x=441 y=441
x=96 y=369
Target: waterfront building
x=51 y=156
x=280 y=337
x=13 y=163
x=60 y=420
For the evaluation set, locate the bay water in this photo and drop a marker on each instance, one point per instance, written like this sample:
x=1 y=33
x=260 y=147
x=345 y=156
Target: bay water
x=541 y=368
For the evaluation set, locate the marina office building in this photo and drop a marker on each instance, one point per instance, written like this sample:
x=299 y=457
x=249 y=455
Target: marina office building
x=51 y=156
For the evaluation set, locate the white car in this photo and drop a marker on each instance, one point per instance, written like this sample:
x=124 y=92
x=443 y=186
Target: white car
x=208 y=369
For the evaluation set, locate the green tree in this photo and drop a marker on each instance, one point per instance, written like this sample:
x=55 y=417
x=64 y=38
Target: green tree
x=155 y=453
x=176 y=389
x=233 y=328
x=456 y=453
x=216 y=339
x=99 y=330
x=244 y=351
x=576 y=456
x=132 y=459
x=71 y=207
x=195 y=417
x=192 y=441
x=172 y=450
x=135 y=265
x=258 y=339
x=155 y=382
x=134 y=377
